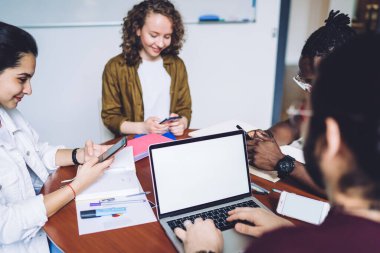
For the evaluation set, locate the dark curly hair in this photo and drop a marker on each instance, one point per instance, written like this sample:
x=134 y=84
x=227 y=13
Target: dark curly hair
x=335 y=33
x=135 y=20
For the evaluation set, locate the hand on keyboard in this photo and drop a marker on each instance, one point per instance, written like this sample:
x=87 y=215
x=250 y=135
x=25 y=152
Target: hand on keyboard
x=219 y=216
x=200 y=236
x=263 y=220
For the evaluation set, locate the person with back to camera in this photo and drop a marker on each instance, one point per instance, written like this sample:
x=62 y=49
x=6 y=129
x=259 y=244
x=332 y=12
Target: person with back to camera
x=25 y=161
x=264 y=151
x=342 y=153
x=147 y=82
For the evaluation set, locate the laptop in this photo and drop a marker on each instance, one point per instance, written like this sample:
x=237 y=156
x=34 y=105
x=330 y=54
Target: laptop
x=202 y=177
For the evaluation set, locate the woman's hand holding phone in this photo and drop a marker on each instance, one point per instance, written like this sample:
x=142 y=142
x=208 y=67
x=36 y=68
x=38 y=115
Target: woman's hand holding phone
x=175 y=124
x=89 y=172
x=152 y=126
x=92 y=169
x=178 y=126
x=90 y=150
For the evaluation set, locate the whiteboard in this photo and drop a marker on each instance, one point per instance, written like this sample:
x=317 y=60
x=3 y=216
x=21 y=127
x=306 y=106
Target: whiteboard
x=27 y=13
x=229 y=10
x=231 y=70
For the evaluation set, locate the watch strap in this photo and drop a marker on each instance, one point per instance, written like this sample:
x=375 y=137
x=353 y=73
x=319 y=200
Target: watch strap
x=74 y=156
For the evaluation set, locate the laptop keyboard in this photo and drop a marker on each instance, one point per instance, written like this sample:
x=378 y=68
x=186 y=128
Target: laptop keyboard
x=219 y=216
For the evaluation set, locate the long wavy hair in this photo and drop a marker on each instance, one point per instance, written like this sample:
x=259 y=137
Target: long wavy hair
x=136 y=19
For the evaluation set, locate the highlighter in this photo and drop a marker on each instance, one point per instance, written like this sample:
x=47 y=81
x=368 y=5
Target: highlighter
x=101 y=212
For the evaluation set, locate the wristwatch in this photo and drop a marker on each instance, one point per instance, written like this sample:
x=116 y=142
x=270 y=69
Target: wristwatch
x=285 y=166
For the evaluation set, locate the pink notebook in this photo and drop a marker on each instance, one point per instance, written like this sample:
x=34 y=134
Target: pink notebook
x=141 y=144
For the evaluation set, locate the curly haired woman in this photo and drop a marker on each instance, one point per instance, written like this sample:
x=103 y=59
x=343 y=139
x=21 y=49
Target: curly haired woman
x=147 y=82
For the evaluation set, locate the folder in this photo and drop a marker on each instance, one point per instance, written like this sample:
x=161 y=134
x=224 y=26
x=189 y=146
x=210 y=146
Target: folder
x=141 y=144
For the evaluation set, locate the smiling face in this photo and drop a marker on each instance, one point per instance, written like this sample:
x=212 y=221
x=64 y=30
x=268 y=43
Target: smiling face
x=155 y=36
x=15 y=82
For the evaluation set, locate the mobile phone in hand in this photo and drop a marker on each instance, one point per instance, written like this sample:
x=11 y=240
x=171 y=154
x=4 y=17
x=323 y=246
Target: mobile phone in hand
x=113 y=150
x=170 y=119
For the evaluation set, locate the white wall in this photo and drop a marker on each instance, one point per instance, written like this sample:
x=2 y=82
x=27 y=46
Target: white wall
x=304 y=18
x=345 y=6
x=231 y=71
x=64 y=107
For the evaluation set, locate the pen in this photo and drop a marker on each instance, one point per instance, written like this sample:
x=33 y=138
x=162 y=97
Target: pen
x=259 y=187
x=102 y=212
x=68 y=180
x=246 y=134
x=111 y=203
x=127 y=196
x=276 y=190
x=258 y=190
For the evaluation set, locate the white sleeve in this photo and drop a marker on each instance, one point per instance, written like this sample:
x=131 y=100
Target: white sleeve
x=46 y=152
x=22 y=220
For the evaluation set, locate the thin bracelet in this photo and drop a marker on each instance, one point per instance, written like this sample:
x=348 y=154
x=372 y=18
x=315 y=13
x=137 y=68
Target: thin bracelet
x=72 y=190
x=74 y=156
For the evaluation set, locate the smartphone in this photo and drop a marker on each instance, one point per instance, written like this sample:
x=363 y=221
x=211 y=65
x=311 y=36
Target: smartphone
x=170 y=119
x=113 y=150
x=302 y=208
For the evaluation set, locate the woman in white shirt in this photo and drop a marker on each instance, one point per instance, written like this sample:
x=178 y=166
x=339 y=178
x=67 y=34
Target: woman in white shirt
x=25 y=161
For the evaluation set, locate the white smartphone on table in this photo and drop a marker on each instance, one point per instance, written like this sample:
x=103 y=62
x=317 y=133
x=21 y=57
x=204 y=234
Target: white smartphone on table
x=302 y=208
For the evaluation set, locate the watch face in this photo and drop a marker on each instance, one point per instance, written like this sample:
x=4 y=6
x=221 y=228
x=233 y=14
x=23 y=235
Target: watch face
x=285 y=166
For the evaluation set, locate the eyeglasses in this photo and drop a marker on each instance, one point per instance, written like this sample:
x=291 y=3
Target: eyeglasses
x=301 y=83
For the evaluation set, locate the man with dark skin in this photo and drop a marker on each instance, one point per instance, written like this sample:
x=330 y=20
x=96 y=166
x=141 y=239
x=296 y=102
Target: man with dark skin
x=264 y=151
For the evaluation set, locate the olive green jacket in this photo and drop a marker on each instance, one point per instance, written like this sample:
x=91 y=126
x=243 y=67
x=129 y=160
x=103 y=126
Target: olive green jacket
x=122 y=92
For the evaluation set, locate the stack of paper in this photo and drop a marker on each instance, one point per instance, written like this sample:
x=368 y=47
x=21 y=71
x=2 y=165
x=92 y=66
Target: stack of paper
x=136 y=214
x=140 y=145
x=118 y=180
x=226 y=126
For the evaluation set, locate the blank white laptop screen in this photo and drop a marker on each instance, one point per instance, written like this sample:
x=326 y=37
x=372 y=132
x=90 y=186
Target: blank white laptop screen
x=200 y=172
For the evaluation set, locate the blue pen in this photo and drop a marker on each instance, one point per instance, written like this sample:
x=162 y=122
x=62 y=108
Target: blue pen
x=117 y=202
x=102 y=212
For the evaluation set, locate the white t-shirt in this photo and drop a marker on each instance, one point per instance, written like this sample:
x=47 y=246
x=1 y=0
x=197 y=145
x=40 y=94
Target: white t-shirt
x=155 y=83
